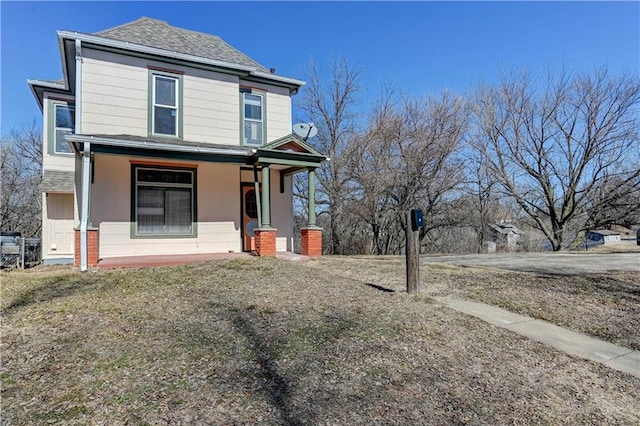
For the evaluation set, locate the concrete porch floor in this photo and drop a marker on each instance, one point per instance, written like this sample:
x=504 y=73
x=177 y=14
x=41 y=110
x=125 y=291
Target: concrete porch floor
x=182 y=259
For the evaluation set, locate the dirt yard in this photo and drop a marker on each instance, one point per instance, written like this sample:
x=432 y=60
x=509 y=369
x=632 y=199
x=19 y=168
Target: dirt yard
x=333 y=341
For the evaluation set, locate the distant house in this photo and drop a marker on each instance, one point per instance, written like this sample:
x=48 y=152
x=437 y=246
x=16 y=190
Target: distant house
x=604 y=236
x=506 y=236
x=160 y=140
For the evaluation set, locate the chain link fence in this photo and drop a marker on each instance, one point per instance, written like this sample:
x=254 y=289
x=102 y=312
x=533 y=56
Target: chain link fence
x=19 y=252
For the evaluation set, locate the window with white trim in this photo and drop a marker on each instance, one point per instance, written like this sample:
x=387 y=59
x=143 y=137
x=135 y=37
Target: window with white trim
x=63 y=125
x=164 y=201
x=253 y=118
x=165 y=105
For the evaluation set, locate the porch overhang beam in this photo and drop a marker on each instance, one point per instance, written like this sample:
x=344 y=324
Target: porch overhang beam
x=188 y=156
x=287 y=162
x=292 y=156
x=160 y=150
x=292 y=171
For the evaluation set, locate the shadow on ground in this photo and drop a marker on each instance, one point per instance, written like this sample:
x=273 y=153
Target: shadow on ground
x=55 y=288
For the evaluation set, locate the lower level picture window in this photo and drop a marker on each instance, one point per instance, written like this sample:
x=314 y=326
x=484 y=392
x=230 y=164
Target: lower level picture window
x=164 y=201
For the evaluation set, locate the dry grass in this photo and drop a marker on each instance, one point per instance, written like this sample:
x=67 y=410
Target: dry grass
x=276 y=342
x=626 y=246
x=606 y=306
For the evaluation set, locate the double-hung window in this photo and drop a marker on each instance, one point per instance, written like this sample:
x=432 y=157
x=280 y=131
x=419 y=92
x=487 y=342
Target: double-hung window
x=63 y=125
x=164 y=201
x=253 y=118
x=165 y=105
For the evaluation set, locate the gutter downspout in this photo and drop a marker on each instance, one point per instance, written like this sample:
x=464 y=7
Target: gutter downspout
x=86 y=162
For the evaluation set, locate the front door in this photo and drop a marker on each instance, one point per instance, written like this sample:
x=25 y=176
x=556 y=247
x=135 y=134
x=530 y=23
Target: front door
x=249 y=217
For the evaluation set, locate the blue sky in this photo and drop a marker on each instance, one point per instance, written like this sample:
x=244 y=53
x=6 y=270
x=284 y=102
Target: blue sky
x=420 y=47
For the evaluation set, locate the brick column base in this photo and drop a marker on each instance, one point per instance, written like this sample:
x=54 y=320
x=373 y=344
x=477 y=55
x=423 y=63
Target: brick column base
x=92 y=248
x=266 y=241
x=312 y=242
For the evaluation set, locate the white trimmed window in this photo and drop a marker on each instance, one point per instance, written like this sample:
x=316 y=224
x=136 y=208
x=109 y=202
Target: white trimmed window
x=253 y=118
x=63 y=125
x=165 y=105
x=164 y=201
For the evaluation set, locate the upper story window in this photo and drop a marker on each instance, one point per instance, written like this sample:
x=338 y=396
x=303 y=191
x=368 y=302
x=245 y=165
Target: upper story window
x=165 y=103
x=63 y=125
x=253 y=118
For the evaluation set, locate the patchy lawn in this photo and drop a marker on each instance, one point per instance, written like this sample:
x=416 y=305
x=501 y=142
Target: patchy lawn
x=605 y=306
x=264 y=340
x=625 y=246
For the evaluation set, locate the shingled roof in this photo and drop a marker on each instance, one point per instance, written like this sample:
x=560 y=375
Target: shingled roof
x=159 y=34
x=57 y=181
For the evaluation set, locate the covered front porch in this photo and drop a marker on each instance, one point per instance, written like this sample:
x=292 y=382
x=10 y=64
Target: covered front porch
x=152 y=197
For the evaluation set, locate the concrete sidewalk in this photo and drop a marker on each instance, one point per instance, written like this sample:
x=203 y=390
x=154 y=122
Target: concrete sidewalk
x=616 y=357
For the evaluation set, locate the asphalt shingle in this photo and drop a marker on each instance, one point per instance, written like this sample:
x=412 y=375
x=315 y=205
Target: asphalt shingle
x=57 y=181
x=159 y=34
x=168 y=141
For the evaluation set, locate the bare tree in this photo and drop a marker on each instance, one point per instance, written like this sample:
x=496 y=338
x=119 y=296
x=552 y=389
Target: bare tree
x=615 y=201
x=408 y=158
x=331 y=106
x=374 y=167
x=551 y=146
x=482 y=199
x=21 y=168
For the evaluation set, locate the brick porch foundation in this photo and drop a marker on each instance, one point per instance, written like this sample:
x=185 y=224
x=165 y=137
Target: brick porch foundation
x=266 y=242
x=92 y=248
x=311 y=242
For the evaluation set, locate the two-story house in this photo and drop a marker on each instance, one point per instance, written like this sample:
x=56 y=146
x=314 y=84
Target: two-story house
x=161 y=140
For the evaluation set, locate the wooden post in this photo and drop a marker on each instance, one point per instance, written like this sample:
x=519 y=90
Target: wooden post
x=22 y=245
x=413 y=259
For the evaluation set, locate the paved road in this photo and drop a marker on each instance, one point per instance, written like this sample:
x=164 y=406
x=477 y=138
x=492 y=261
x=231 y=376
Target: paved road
x=547 y=263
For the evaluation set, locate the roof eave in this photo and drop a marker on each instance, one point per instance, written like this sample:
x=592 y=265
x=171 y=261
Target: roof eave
x=247 y=71
x=63 y=58
x=47 y=84
x=38 y=87
x=280 y=78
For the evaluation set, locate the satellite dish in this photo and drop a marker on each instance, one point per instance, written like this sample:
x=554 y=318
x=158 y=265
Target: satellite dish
x=305 y=130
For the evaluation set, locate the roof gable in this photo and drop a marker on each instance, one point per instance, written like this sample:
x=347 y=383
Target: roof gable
x=291 y=143
x=160 y=35
x=604 y=232
x=505 y=229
